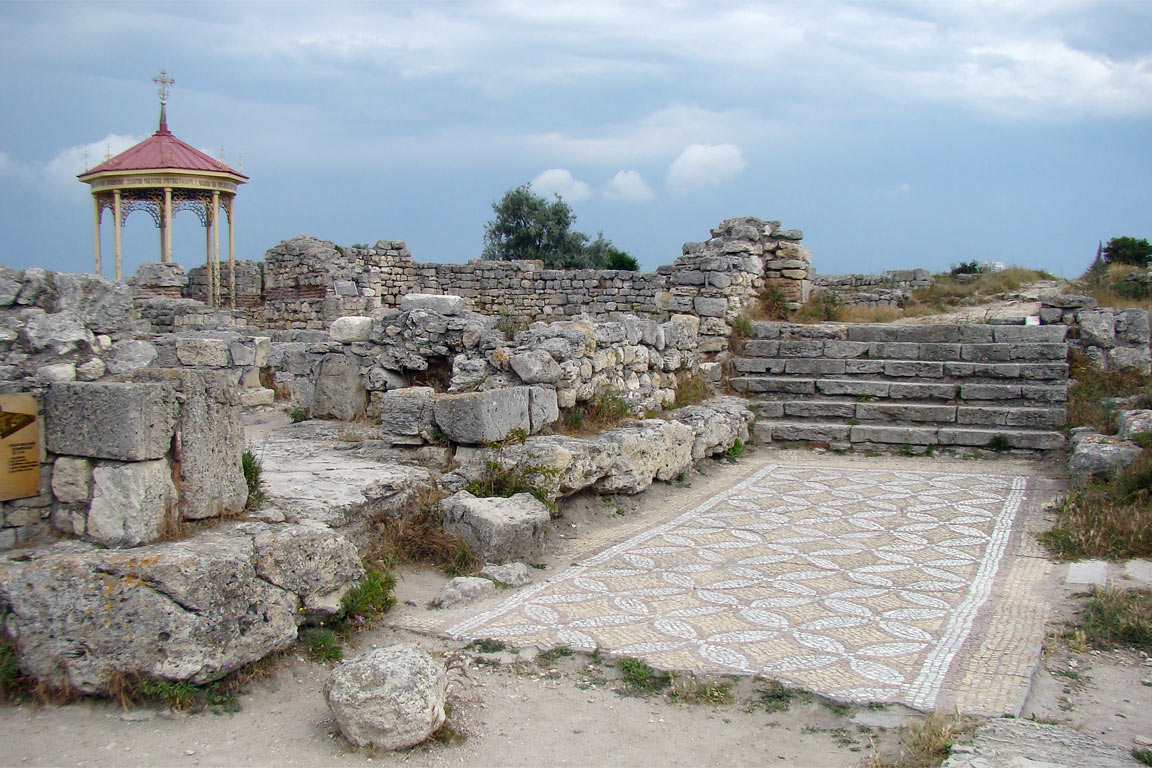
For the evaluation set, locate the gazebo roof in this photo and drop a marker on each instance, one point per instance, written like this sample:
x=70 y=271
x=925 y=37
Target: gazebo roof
x=162 y=150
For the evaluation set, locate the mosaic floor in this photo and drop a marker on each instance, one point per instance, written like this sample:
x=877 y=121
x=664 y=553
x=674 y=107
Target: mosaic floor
x=862 y=585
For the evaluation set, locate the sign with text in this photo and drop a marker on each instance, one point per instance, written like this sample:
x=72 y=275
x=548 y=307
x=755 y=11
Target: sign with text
x=19 y=447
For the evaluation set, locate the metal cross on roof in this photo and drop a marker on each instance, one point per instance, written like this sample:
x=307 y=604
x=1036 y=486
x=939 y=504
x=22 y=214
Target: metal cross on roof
x=163 y=81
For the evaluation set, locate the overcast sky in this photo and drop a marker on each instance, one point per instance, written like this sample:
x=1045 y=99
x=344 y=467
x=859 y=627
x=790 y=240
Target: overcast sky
x=895 y=134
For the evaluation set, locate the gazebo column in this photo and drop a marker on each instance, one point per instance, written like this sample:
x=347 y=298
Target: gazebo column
x=230 y=206
x=209 y=222
x=216 y=242
x=166 y=217
x=96 y=230
x=118 y=222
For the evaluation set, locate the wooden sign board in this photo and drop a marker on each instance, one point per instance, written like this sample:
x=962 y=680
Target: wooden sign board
x=19 y=447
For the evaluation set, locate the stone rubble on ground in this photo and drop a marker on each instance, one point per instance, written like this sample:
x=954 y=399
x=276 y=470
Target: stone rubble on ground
x=388 y=698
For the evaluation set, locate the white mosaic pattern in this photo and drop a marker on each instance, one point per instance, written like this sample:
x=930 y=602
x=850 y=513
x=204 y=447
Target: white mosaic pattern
x=860 y=585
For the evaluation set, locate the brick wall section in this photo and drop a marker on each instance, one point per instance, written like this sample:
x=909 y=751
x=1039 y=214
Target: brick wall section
x=966 y=386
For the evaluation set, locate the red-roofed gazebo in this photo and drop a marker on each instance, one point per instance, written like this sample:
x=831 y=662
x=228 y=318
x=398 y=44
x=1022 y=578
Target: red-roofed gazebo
x=162 y=175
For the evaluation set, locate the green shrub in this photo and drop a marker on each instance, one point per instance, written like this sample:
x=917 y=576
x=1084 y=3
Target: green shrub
x=774 y=303
x=322 y=644
x=498 y=481
x=175 y=694
x=252 y=469
x=367 y=600
x=642 y=677
x=737 y=449
x=298 y=414
x=621 y=260
x=966 y=268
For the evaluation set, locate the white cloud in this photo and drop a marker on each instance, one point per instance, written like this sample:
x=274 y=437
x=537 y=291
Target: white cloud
x=705 y=165
x=628 y=186
x=58 y=175
x=557 y=181
x=902 y=188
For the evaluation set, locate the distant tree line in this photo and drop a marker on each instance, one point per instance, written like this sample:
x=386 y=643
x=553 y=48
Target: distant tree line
x=528 y=226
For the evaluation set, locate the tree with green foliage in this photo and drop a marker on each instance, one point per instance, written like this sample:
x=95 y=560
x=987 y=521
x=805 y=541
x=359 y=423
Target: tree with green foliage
x=1128 y=250
x=528 y=226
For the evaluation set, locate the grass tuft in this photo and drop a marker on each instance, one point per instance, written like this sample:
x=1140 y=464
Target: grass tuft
x=417 y=535
x=641 y=677
x=924 y=743
x=367 y=600
x=252 y=469
x=322 y=644
x=498 y=481
x=1092 y=388
x=691 y=390
x=776 y=697
x=1116 y=618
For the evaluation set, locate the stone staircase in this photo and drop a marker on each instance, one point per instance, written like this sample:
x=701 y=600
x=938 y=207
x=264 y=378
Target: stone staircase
x=872 y=385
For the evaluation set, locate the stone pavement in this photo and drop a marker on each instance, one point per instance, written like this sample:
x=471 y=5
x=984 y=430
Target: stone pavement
x=863 y=582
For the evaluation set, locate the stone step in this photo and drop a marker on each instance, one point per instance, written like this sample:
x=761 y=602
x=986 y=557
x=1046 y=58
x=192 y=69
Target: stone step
x=860 y=351
x=966 y=333
x=1049 y=370
x=913 y=413
x=769 y=430
x=973 y=393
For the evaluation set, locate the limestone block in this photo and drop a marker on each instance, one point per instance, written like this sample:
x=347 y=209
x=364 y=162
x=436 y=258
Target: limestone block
x=211 y=439
x=406 y=415
x=483 y=417
x=133 y=503
x=312 y=561
x=498 y=530
x=648 y=450
x=510 y=574
x=250 y=398
x=443 y=304
x=710 y=307
x=1130 y=357
x=91 y=370
x=340 y=392
x=58 y=335
x=130 y=355
x=808 y=432
x=543 y=408
x=110 y=420
x=535 y=366
x=388 y=698
x=894 y=435
x=899 y=412
x=105 y=305
x=1134 y=423
x=206 y=353
x=1100 y=456
x=71 y=480
x=462 y=590
x=346 y=330
x=1132 y=327
x=56 y=372
x=1097 y=327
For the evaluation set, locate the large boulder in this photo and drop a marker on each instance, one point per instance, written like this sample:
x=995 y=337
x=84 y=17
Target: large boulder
x=499 y=530
x=1100 y=457
x=647 y=450
x=716 y=424
x=105 y=305
x=189 y=610
x=388 y=698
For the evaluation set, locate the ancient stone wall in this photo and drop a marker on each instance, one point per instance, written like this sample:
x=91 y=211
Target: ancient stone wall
x=308 y=282
x=888 y=289
x=1111 y=338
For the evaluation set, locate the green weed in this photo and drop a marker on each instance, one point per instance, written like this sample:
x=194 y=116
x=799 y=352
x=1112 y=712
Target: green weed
x=641 y=677
x=298 y=414
x=498 y=481
x=322 y=644
x=1116 y=618
x=367 y=600
x=252 y=469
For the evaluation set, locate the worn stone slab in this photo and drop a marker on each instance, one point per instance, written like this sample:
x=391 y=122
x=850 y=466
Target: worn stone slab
x=990 y=391
x=1087 y=572
x=906 y=412
x=352 y=328
x=432 y=302
x=809 y=409
x=854 y=387
x=133 y=503
x=902 y=390
x=867 y=433
x=754 y=384
x=809 y=432
x=929 y=370
x=111 y=420
x=498 y=530
x=814 y=367
x=406 y=415
x=207 y=353
x=1017 y=743
x=340 y=392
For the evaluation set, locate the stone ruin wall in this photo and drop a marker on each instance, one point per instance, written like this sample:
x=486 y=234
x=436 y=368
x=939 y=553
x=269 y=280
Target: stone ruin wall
x=307 y=283
x=892 y=288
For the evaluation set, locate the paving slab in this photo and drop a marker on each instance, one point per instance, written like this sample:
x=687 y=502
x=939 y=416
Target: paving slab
x=863 y=583
x=1093 y=572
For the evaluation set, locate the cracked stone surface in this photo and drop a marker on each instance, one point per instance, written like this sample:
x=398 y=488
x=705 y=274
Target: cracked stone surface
x=1025 y=744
